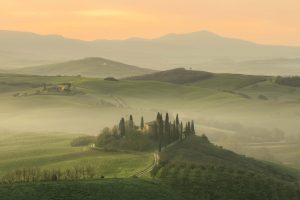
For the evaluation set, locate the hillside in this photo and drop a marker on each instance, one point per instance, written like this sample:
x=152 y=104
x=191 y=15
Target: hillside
x=201 y=50
x=191 y=169
x=201 y=78
x=201 y=170
x=114 y=189
x=88 y=67
x=179 y=76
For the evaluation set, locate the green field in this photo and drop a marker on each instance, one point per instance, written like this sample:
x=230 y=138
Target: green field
x=126 y=189
x=53 y=151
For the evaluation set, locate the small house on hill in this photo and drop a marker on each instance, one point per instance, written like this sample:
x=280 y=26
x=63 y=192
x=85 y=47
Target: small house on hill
x=150 y=127
x=65 y=87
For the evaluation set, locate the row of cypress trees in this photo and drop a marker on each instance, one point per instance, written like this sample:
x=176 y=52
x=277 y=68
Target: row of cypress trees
x=167 y=132
x=123 y=127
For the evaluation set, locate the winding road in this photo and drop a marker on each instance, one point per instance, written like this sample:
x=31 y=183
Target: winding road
x=147 y=170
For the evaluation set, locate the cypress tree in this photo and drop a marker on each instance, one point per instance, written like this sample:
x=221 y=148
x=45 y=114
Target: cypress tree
x=193 y=128
x=122 y=127
x=130 y=122
x=177 y=128
x=189 y=128
x=157 y=116
x=186 y=130
x=181 y=131
x=167 y=134
x=160 y=131
x=177 y=120
x=174 y=134
x=142 y=123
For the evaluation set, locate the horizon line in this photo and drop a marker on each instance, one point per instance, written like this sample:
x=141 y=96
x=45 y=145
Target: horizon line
x=144 y=38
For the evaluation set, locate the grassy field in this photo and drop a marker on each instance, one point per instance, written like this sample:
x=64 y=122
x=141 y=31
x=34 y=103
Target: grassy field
x=114 y=189
x=53 y=151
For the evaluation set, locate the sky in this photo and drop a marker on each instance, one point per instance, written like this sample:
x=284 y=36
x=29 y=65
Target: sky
x=262 y=21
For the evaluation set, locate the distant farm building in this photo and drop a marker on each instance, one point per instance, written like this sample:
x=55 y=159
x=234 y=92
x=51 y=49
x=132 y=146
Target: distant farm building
x=150 y=127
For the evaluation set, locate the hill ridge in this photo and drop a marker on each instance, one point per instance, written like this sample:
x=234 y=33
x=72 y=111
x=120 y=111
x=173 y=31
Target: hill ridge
x=89 y=67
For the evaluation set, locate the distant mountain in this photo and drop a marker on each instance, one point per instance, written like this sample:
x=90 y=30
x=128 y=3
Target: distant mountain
x=88 y=67
x=178 y=76
x=200 y=50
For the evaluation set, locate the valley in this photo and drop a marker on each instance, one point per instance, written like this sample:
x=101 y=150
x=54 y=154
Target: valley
x=254 y=116
x=228 y=108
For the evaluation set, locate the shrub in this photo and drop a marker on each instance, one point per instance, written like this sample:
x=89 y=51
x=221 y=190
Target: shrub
x=83 y=141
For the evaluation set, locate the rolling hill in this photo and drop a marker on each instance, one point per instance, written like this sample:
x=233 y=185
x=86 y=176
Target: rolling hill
x=201 y=170
x=200 y=50
x=179 y=76
x=88 y=67
x=201 y=78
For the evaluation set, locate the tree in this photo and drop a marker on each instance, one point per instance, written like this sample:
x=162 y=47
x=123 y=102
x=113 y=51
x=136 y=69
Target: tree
x=130 y=122
x=122 y=127
x=114 y=131
x=193 y=132
x=181 y=131
x=174 y=133
x=167 y=138
x=177 y=120
x=160 y=127
x=177 y=127
x=142 y=123
x=186 y=130
x=189 y=128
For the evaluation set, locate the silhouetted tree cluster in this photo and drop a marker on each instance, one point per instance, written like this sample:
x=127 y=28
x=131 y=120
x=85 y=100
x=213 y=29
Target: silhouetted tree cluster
x=162 y=130
x=293 y=81
x=168 y=132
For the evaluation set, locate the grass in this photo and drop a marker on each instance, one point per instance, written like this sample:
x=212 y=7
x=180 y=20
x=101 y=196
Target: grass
x=53 y=151
x=230 y=81
x=114 y=189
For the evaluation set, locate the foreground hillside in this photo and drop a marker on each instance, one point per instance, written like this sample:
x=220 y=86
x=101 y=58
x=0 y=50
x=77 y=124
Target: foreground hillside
x=113 y=189
x=192 y=169
x=201 y=170
x=89 y=67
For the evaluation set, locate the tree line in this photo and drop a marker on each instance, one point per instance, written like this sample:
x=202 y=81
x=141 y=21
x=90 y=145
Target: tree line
x=293 y=81
x=35 y=174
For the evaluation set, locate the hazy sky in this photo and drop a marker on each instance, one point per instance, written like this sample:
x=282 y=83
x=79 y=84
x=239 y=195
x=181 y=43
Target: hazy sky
x=263 y=21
